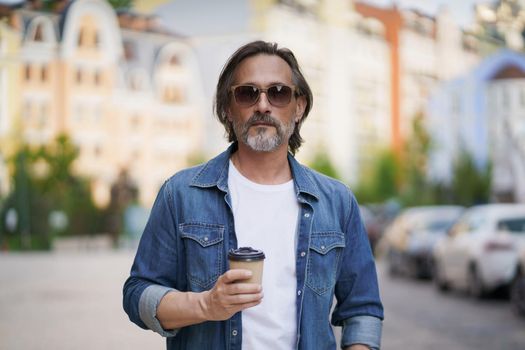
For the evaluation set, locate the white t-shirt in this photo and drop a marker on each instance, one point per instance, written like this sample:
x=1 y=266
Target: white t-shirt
x=266 y=218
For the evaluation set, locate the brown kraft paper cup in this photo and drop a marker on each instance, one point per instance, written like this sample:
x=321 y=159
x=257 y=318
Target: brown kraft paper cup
x=249 y=259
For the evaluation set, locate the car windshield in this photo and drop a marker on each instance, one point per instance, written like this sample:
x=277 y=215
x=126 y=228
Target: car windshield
x=439 y=226
x=432 y=222
x=516 y=226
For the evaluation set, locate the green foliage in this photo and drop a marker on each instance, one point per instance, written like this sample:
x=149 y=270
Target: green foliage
x=321 y=162
x=380 y=182
x=121 y=4
x=470 y=184
x=44 y=183
x=405 y=178
x=415 y=188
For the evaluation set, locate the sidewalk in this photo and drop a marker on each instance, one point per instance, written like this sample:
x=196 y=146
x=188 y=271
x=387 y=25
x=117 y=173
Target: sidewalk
x=64 y=301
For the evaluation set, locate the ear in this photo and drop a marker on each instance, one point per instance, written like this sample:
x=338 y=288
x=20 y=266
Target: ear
x=300 y=107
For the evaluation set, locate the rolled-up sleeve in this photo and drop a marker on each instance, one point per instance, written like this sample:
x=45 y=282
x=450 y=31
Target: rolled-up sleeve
x=155 y=268
x=358 y=309
x=148 y=303
x=362 y=330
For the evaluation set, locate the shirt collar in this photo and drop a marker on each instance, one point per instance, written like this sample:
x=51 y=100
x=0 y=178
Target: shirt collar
x=215 y=174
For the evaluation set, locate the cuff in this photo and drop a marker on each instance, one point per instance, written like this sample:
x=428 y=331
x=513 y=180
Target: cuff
x=364 y=330
x=148 y=303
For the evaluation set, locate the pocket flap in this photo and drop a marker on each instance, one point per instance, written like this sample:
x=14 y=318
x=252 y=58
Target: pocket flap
x=204 y=234
x=323 y=242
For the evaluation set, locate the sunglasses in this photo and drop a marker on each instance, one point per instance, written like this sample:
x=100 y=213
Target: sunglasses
x=278 y=95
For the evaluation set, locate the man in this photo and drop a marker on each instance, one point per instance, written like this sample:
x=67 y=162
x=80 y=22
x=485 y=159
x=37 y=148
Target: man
x=256 y=194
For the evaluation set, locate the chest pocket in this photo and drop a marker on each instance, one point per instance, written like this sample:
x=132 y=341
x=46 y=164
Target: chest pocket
x=203 y=245
x=323 y=260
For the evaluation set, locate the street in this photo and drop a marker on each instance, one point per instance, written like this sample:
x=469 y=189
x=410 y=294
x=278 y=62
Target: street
x=418 y=316
x=73 y=301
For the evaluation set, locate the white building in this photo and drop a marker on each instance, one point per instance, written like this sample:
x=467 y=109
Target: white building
x=344 y=57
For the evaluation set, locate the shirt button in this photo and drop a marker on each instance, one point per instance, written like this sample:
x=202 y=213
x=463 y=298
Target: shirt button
x=298 y=292
x=234 y=332
x=307 y=215
x=322 y=247
x=206 y=239
x=303 y=254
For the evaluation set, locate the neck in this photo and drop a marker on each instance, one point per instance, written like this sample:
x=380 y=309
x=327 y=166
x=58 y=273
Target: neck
x=267 y=168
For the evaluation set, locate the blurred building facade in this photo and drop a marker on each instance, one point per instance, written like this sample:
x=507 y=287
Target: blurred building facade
x=371 y=69
x=118 y=84
x=9 y=92
x=424 y=50
x=335 y=44
x=483 y=113
x=134 y=97
x=501 y=21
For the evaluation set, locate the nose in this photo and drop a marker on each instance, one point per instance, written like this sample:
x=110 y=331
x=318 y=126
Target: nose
x=263 y=105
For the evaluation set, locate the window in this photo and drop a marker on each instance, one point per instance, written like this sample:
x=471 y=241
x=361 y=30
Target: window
x=39 y=33
x=44 y=73
x=505 y=98
x=173 y=94
x=516 y=225
x=174 y=61
x=97 y=78
x=26 y=110
x=97 y=151
x=42 y=118
x=129 y=50
x=27 y=72
x=81 y=40
x=79 y=76
x=96 y=39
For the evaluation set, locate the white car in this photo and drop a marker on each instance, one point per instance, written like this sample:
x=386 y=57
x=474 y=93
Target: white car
x=517 y=291
x=480 y=252
x=409 y=240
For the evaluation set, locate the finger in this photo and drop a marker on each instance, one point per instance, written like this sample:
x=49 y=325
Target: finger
x=242 y=288
x=247 y=305
x=231 y=276
x=240 y=299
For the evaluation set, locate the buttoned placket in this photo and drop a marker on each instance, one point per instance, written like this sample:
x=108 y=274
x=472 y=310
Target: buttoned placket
x=303 y=243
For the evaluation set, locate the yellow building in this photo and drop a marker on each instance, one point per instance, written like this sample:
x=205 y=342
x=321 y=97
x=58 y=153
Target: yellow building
x=9 y=95
x=127 y=93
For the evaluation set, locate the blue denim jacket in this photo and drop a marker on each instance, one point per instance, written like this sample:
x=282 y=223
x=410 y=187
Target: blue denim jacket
x=190 y=230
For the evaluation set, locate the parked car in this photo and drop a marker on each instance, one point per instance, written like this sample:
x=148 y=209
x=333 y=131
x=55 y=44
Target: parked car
x=409 y=240
x=372 y=225
x=517 y=291
x=479 y=253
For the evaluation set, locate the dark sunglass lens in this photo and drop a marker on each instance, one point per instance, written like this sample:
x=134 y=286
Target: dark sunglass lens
x=246 y=94
x=279 y=95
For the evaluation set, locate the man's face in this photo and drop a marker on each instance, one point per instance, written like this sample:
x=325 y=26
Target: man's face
x=263 y=126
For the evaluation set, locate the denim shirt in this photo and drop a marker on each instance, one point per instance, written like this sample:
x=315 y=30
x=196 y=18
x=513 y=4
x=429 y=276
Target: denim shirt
x=190 y=230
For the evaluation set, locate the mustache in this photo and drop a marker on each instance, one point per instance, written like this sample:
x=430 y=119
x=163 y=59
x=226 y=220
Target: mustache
x=262 y=118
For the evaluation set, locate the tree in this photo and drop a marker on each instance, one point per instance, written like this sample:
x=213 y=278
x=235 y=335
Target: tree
x=380 y=181
x=416 y=188
x=44 y=183
x=321 y=162
x=121 y=4
x=471 y=184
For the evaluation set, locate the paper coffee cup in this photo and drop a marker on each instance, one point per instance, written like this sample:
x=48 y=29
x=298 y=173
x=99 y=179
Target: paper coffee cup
x=249 y=259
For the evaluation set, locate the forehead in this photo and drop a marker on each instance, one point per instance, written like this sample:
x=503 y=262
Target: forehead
x=263 y=70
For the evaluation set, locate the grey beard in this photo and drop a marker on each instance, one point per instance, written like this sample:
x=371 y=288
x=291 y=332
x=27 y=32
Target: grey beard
x=261 y=141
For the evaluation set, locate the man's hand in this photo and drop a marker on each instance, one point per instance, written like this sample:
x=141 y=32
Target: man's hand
x=230 y=295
